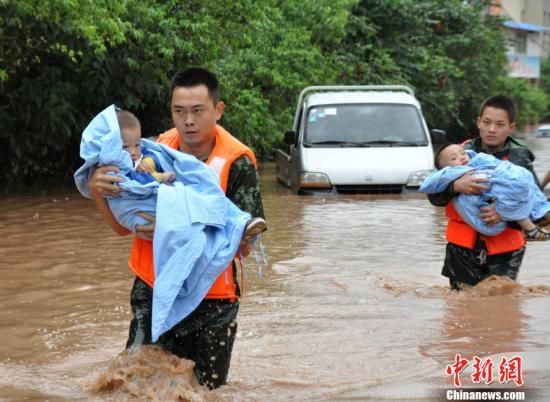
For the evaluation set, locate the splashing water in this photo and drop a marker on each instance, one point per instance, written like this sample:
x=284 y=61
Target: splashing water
x=150 y=373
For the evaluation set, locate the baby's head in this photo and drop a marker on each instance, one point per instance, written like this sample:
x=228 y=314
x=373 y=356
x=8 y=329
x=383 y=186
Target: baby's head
x=130 y=130
x=451 y=155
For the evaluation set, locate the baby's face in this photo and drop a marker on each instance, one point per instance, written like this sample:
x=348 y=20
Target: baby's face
x=131 y=142
x=454 y=155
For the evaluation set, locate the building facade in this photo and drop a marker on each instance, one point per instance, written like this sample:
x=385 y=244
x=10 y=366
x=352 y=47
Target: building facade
x=527 y=28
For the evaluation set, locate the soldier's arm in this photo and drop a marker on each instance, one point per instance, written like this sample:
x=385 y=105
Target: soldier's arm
x=100 y=185
x=243 y=187
x=466 y=184
x=443 y=198
x=546 y=180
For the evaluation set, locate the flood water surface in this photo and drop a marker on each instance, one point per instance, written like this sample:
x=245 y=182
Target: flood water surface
x=352 y=306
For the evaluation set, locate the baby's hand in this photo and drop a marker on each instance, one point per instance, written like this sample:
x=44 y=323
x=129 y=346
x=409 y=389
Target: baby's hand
x=168 y=177
x=144 y=167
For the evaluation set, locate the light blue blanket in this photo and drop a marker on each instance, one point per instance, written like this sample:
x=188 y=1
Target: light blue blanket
x=197 y=230
x=512 y=187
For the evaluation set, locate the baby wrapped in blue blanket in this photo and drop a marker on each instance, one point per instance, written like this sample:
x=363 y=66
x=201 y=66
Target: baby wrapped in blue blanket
x=511 y=187
x=198 y=230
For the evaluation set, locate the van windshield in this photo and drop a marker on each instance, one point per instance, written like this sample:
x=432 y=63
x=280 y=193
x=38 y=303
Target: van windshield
x=364 y=125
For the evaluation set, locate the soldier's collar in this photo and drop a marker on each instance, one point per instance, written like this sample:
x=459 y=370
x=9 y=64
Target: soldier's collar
x=204 y=157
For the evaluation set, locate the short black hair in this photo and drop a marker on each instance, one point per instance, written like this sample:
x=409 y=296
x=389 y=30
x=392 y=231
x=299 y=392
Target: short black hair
x=500 y=102
x=437 y=163
x=194 y=76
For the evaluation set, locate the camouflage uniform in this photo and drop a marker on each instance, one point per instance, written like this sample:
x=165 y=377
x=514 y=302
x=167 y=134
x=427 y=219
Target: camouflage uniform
x=464 y=265
x=207 y=335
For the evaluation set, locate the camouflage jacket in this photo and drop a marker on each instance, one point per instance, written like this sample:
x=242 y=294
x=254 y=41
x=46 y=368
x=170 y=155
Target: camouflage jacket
x=513 y=150
x=243 y=187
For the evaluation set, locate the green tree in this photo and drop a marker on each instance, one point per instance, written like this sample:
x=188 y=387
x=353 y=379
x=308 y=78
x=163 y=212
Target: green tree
x=265 y=54
x=448 y=51
x=545 y=84
x=87 y=55
x=41 y=44
x=532 y=102
x=62 y=61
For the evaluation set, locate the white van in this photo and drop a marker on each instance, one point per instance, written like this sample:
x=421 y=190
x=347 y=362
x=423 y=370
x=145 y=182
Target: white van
x=356 y=139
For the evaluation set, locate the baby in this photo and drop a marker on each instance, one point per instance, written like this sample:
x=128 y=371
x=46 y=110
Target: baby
x=147 y=167
x=454 y=155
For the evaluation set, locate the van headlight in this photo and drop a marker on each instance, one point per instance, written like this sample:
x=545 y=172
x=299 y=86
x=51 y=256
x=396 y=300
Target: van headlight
x=417 y=178
x=314 y=180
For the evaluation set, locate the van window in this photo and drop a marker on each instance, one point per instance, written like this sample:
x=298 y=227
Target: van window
x=364 y=125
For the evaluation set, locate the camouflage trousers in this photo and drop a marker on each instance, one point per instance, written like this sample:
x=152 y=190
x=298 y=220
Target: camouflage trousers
x=206 y=336
x=463 y=265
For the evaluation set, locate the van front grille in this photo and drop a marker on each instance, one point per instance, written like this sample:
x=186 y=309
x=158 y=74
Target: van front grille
x=369 y=189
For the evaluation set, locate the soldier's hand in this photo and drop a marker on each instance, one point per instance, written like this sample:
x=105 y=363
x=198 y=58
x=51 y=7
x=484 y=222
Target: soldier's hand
x=468 y=184
x=489 y=214
x=146 y=231
x=104 y=184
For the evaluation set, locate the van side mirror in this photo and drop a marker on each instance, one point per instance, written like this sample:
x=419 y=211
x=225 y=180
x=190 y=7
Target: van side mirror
x=438 y=136
x=290 y=138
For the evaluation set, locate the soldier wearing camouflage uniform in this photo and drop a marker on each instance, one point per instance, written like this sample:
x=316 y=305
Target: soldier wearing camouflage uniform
x=206 y=336
x=471 y=265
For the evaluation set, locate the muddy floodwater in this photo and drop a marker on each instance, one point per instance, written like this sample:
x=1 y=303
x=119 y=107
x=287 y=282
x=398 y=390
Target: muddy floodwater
x=352 y=305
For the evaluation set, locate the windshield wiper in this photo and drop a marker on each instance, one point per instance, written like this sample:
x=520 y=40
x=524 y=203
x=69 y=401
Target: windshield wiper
x=340 y=143
x=344 y=144
x=394 y=143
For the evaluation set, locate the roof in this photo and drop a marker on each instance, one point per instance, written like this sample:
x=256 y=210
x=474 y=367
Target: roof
x=337 y=97
x=523 y=26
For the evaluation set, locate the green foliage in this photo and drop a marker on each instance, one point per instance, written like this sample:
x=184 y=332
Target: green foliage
x=41 y=46
x=449 y=51
x=62 y=61
x=545 y=84
x=532 y=102
x=545 y=75
x=272 y=59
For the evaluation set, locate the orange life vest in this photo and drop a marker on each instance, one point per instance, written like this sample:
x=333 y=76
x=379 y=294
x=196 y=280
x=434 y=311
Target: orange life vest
x=459 y=233
x=226 y=150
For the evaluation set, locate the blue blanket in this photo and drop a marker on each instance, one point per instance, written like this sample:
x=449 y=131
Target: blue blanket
x=512 y=187
x=197 y=230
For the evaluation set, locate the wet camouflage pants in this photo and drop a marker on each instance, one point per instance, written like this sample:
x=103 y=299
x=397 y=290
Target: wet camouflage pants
x=464 y=265
x=206 y=336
